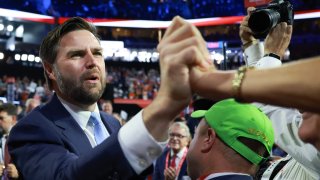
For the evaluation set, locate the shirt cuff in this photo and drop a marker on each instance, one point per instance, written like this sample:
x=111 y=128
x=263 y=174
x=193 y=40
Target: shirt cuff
x=253 y=53
x=268 y=62
x=138 y=146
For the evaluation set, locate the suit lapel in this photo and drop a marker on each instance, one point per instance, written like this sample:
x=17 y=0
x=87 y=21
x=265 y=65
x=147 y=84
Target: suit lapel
x=69 y=128
x=109 y=123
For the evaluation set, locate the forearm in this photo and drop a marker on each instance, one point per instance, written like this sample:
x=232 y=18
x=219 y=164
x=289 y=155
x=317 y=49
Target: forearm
x=292 y=85
x=159 y=114
x=216 y=85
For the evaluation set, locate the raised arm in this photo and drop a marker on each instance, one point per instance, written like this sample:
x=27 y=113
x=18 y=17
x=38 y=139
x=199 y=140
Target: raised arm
x=181 y=47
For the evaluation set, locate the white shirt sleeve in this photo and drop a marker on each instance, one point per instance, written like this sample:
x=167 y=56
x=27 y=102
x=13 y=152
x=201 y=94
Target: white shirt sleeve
x=268 y=62
x=286 y=122
x=254 y=57
x=138 y=146
x=253 y=53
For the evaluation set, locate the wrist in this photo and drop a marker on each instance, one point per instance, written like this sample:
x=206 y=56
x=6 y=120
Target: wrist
x=237 y=81
x=249 y=43
x=164 y=107
x=157 y=117
x=272 y=55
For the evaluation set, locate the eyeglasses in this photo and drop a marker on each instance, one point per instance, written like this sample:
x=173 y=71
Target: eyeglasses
x=180 y=136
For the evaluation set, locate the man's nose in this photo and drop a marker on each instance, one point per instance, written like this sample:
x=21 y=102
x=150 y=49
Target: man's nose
x=91 y=61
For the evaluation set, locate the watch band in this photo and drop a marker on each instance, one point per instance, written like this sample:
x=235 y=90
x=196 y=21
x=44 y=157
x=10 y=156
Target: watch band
x=272 y=55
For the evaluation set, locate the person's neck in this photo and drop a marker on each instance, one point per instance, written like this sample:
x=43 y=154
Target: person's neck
x=216 y=162
x=6 y=132
x=176 y=151
x=220 y=166
x=71 y=102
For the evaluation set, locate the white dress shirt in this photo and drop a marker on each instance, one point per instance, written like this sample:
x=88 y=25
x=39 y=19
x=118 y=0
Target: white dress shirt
x=137 y=144
x=3 y=143
x=179 y=155
x=305 y=161
x=82 y=118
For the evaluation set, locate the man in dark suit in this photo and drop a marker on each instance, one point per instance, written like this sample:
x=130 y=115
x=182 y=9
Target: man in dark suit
x=230 y=143
x=68 y=138
x=172 y=163
x=8 y=118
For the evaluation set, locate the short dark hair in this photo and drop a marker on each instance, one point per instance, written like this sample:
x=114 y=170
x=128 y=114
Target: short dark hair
x=50 y=44
x=10 y=108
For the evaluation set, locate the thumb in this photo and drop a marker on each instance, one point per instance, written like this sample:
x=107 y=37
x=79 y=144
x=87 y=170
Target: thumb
x=250 y=9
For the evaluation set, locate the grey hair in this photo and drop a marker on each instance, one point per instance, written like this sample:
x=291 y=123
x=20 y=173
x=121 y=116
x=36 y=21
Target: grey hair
x=183 y=126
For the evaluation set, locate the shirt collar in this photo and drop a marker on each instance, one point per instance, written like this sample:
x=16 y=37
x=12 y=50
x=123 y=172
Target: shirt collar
x=224 y=174
x=80 y=116
x=179 y=154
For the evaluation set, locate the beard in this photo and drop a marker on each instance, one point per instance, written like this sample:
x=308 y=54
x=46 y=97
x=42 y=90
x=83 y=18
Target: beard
x=78 y=91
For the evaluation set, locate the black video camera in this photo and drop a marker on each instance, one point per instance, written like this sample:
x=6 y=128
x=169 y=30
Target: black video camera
x=265 y=18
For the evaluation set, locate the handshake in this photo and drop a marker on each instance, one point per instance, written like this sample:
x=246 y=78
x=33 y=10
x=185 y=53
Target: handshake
x=186 y=67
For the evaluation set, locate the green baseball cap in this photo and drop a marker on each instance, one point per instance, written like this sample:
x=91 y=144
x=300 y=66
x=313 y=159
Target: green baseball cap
x=232 y=120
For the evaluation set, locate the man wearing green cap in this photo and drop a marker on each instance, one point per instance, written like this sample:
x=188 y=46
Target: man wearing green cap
x=231 y=141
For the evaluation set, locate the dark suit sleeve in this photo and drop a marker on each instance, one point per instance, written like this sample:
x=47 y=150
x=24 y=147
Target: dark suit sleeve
x=39 y=152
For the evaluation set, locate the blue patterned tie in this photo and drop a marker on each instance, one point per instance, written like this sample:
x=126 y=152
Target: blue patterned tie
x=99 y=133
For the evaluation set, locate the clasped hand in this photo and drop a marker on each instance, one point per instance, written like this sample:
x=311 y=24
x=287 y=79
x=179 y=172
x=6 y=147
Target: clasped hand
x=184 y=59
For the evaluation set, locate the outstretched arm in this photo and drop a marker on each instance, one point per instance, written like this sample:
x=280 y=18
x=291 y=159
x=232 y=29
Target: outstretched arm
x=291 y=85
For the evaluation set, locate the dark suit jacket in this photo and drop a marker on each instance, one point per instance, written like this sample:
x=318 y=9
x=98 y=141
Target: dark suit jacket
x=161 y=164
x=232 y=177
x=49 y=144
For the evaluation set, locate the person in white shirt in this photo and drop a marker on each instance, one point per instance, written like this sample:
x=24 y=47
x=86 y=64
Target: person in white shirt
x=303 y=160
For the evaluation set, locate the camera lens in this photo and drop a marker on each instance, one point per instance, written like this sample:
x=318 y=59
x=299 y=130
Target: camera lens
x=262 y=21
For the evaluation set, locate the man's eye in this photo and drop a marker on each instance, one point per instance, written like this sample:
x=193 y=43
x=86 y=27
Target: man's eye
x=98 y=53
x=75 y=55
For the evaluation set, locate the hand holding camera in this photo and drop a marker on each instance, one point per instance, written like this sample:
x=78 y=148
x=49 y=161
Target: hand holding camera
x=263 y=19
x=245 y=32
x=277 y=40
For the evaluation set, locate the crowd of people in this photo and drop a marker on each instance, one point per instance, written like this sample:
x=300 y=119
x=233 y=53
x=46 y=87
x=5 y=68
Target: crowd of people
x=77 y=133
x=134 y=83
x=126 y=83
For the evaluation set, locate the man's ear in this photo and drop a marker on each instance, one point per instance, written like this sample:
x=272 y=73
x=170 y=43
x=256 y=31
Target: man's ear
x=49 y=70
x=14 y=118
x=209 y=140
